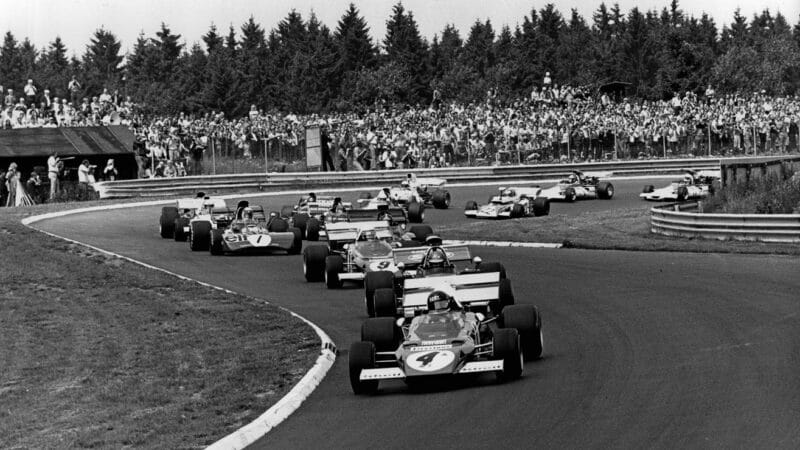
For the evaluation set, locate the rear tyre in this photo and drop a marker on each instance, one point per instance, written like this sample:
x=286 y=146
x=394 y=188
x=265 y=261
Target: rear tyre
x=382 y=332
x=312 y=229
x=648 y=189
x=334 y=265
x=297 y=242
x=541 y=207
x=300 y=221
x=166 y=223
x=314 y=262
x=485 y=267
x=385 y=302
x=215 y=247
x=605 y=190
x=506 y=346
x=278 y=225
x=179 y=235
x=506 y=295
x=372 y=282
x=421 y=232
x=416 y=212
x=441 y=199
x=362 y=356
x=683 y=193
x=526 y=320
x=199 y=236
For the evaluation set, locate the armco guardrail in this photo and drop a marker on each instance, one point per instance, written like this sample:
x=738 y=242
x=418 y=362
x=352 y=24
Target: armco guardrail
x=683 y=220
x=739 y=170
x=316 y=180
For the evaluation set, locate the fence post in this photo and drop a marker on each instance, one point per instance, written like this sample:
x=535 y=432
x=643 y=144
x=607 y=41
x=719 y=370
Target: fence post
x=615 y=145
x=709 y=138
x=213 y=156
x=755 y=142
x=266 y=166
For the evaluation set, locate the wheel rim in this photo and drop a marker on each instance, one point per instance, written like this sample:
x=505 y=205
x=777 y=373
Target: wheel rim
x=305 y=268
x=610 y=191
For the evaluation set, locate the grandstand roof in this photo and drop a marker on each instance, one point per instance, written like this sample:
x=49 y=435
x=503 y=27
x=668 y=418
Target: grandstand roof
x=77 y=141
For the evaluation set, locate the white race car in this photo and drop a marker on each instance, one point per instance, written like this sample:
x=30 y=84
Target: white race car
x=694 y=185
x=513 y=202
x=580 y=186
x=174 y=220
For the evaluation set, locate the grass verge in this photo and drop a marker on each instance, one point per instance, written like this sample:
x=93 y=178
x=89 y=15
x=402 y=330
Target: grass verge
x=99 y=352
x=614 y=229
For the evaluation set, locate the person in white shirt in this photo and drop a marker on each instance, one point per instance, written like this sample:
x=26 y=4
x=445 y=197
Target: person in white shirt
x=53 y=167
x=30 y=92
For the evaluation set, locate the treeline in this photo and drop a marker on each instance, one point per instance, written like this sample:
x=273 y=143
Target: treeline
x=303 y=66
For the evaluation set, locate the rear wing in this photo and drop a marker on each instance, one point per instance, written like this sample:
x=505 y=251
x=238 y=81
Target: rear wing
x=468 y=289
x=197 y=203
x=413 y=256
x=396 y=214
x=349 y=231
x=432 y=182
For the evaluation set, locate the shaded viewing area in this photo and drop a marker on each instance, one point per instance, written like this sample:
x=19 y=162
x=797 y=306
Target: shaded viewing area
x=30 y=148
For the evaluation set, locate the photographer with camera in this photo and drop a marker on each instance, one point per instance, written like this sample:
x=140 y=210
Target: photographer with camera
x=85 y=176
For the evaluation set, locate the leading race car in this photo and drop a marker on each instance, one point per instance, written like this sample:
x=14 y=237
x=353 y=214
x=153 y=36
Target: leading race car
x=580 y=186
x=251 y=231
x=174 y=220
x=694 y=185
x=429 y=191
x=513 y=202
x=312 y=211
x=448 y=338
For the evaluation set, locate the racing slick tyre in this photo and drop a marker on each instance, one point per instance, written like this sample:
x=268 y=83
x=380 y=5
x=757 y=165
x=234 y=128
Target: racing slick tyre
x=492 y=267
x=683 y=193
x=385 y=302
x=605 y=190
x=179 y=235
x=372 y=282
x=300 y=221
x=312 y=229
x=471 y=205
x=314 y=262
x=505 y=295
x=506 y=346
x=166 y=224
x=527 y=320
x=287 y=211
x=362 y=356
x=570 y=195
x=648 y=189
x=416 y=212
x=382 y=332
x=541 y=206
x=200 y=236
x=216 y=247
x=334 y=265
x=421 y=232
x=441 y=199
x=297 y=242
x=517 y=211
x=278 y=225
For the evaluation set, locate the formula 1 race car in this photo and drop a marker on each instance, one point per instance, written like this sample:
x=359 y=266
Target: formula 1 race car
x=513 y=202
x=356 y=248
x=312 y=211
x=251 y=231
x=428 y=191
x=413 y=211
x=447 y=339
x=694 y=185
x=174 y=220
x=580 y=186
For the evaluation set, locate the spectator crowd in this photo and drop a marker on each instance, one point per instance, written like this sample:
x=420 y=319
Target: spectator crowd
x=553 y=124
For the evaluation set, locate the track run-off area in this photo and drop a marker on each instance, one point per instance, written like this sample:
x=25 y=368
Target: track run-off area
x=642 y=350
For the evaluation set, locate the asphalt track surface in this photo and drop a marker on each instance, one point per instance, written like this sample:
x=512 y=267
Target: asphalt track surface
x=642 y=350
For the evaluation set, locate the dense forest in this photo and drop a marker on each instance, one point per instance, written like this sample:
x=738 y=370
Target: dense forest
x=302 y=65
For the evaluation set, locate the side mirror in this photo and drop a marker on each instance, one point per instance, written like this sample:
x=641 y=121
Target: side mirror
x=399 y=322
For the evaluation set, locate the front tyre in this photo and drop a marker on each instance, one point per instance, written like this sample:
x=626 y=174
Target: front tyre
x=506 y=346
x=313 y=227
x=527 y=321
x=167 y=221
x=441 y=199
x=199 y=236
x=605 y=190
x=314 y=262
x=362 y=356
x=541 y=207
x=216 y=247
x=416 y=212
x=334 y=265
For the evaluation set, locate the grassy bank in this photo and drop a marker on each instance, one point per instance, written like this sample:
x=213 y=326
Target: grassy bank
x=767 y=195
x=615 y=229
x=98 y=352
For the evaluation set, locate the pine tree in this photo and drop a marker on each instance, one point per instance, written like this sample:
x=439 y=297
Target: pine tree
x=28 y=56
x=478 y=51
x=11 y=64
x=101 y=62
x=55 y=72
x=406 y=48
x=353 y=42
x=213 y=40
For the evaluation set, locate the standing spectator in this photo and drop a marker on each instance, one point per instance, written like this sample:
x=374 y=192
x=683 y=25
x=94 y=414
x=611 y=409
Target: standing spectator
x=10 y=99
x=54 y=166
x=110 y=172
x=48 y=102
x=12 y=180
x=74 y=89
x=34 y=187
x=547 y=81
x=325 y=147
x=84 y=174
x=30 y=92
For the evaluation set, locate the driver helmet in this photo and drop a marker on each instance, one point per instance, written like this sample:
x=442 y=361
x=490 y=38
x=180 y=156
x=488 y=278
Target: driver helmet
x=437 y=258
x=687 y=178
x=247 y=214
x=312 y=197
x=572 y=178
x=404 y=184
x=507 y=193
x=439 y=301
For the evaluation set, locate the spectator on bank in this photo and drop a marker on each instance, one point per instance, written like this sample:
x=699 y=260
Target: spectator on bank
x=110 y=171
x=10 y=99
x=85 y=176
x=30 y=92
x=12 y=183
x=34 y=187
x=74 y=89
